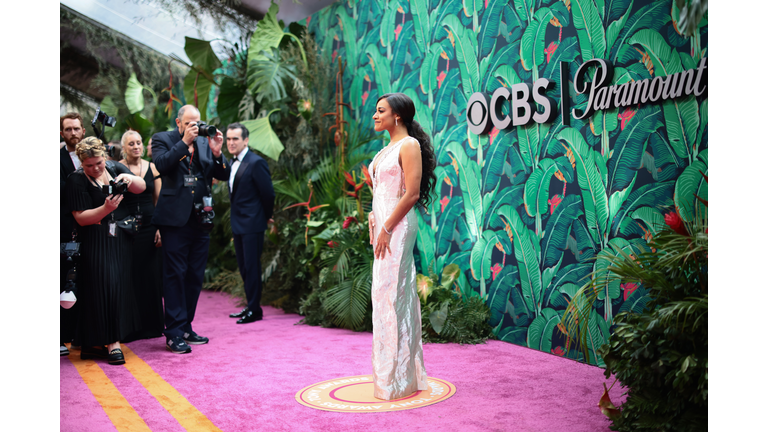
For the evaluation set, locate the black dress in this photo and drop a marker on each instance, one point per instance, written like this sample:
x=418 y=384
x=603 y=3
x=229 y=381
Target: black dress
x=107 y=306
x=147 y=265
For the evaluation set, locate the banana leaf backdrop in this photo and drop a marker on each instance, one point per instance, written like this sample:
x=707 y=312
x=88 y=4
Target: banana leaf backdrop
x=527 y=213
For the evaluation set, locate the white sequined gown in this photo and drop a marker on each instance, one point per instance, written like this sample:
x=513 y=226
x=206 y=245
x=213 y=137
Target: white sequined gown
x=398 y=361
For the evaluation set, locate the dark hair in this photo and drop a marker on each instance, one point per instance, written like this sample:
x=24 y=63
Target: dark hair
x=243 y=129
x=403 y=106
x=73 y=116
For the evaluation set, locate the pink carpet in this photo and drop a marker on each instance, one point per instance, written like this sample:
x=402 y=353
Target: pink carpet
x=245 y=379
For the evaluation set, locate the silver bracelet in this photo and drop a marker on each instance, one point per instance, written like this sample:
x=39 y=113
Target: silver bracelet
x=384 y=227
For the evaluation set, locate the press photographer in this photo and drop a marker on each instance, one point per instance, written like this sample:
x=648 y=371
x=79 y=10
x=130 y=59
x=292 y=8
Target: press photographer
x=188 y=158
x=104 y=228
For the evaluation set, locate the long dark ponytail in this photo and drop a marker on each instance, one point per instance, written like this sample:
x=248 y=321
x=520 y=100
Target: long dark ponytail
x=403 y=106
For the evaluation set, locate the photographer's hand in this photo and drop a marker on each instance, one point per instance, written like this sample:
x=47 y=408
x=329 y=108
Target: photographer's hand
x=189 y=135
x=125 y=178
x=158 y=241
x=215 y=143
x=112 y=202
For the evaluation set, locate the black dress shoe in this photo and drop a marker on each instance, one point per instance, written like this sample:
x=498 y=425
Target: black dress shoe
x=116 y=357
x=249 y=317
x=93 y=352
x=239 y=314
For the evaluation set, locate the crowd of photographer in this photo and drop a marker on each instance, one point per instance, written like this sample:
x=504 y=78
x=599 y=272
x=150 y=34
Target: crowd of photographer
x=135 y=234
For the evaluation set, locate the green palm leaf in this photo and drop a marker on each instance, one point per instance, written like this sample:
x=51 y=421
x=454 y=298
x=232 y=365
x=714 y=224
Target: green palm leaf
x=466 y=54
x=652 y=16
x=469 y=176
x=537 y=188
x=425 y=243
x=381 y=69
x=558 y=229
x=593 y=191
x=690 y=184
x=654 y=194
x=499 y=292
x=527 y=259
x=586 y=19
x=542 y=328
x=630 y=146
x=532 y=44
x=447 y=224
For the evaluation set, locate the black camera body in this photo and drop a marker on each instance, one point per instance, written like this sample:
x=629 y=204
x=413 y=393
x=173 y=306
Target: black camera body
x=103 y=118
x=115 y=188
x=205 y=130
x=205 y=213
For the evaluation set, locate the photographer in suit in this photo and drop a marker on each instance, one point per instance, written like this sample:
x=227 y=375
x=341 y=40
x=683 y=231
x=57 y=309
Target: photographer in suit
x=187 y=163
x=72 y=132
x=251 y=198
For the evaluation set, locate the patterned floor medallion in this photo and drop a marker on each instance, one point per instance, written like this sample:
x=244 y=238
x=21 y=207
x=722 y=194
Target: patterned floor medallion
x=355 y=394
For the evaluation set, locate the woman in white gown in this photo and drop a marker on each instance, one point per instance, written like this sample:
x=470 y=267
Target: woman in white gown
x=403 y=176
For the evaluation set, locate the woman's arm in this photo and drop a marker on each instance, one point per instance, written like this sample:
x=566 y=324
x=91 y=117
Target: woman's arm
x=94 y=216
x=136 y=184
x=158 y=183
x=410 y=160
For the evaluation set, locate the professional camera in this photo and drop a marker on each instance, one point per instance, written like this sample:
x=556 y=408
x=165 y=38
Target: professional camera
x=205 y=130
x=103 y=118
x=205 y=213
x=115 y=188
x=114 y=151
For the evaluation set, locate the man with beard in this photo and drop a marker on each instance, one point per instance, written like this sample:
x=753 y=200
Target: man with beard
x=72 y=132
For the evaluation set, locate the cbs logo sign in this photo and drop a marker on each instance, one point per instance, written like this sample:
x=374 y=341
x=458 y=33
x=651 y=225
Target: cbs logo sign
x=482 y=114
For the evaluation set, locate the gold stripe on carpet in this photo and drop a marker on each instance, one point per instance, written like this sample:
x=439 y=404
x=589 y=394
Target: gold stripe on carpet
x=120 y=412
x=177 y=405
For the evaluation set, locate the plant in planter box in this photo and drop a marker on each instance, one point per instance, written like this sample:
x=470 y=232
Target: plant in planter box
x=446 y=315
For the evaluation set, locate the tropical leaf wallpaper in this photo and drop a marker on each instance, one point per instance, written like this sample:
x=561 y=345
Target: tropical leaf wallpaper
x=528 y=212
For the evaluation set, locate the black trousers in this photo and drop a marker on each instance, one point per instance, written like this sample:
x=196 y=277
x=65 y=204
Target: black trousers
x=248 y=248
x=185 y=253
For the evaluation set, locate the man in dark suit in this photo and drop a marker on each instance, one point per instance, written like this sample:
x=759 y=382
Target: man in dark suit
x=187 y=163
x=72 y=132
x=252 y=199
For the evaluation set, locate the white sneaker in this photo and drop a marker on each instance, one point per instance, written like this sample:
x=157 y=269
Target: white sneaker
x=63 y=350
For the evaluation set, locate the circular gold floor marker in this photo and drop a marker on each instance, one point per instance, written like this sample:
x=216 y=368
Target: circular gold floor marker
x=355 y=394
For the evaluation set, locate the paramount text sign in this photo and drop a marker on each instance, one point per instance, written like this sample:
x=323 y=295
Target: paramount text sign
x=483 y=114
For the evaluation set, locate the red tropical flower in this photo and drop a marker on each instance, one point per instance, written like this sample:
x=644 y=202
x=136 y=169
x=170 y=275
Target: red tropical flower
x=495 y=270
x=551 y=49
x=558 y=351
x=440 y=79
x=365 y=97
x=626 y=116
x=367 y=175
x=348 y=221
x=333 y=56
x=443 y=203
x=629 y=288
x=493 y=134
x=673 y=220
x=398 y=29
x=332 y=244
x=554 y=202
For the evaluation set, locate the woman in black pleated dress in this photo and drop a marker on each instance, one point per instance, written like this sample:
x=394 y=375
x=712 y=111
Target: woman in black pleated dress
x=107 y=305
x=147 y=256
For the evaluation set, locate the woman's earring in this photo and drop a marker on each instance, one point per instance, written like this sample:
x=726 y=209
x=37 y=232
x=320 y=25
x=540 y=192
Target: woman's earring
x=395 y=121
